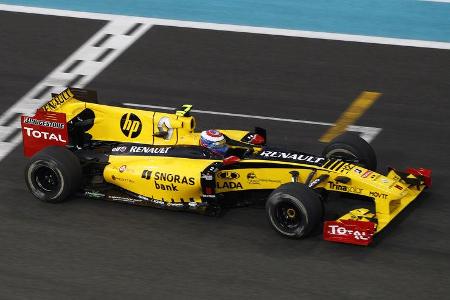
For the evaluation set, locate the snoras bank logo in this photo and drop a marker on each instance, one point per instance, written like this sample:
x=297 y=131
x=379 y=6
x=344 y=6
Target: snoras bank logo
x=131 y=125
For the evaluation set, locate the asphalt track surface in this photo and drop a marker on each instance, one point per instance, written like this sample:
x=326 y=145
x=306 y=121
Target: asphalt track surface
x=87 y=249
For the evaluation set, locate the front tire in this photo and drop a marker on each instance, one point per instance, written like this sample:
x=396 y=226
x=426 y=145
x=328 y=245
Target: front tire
x=294 y=210
x=352 y=148
x=53 y=174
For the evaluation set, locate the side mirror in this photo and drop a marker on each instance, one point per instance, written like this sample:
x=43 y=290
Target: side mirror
x=231 y=160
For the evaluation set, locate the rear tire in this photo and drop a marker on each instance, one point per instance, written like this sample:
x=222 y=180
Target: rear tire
x=53 y=174
x=294 y=210
x=352 y=148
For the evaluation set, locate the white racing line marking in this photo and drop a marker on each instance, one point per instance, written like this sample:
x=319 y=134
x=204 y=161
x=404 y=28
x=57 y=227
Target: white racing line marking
x=367 y=133
x=76 y=71
x=234 y=28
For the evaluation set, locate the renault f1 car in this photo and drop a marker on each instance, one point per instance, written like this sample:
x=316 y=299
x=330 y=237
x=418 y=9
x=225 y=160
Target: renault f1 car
x=152 y=158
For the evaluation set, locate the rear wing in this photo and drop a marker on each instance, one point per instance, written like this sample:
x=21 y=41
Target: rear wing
x=58 y=100
x=45 y=128
x=48 y=127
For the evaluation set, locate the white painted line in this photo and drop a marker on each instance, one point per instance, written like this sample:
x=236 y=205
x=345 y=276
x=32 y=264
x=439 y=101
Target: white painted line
x=76 y=71
x=367 y=133
x=233 y=28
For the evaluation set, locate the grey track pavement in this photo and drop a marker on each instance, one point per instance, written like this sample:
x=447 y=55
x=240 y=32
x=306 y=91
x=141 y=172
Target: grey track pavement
x=85 y=249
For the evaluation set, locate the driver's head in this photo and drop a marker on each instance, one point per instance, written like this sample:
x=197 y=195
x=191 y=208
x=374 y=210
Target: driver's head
x=214 y=140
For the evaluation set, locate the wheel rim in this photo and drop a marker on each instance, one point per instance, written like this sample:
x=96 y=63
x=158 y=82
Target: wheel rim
x=288 y=216
x=47 y=180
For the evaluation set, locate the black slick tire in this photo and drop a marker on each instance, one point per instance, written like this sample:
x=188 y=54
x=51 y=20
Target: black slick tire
x=351 y=147
x=294 y=210
x=53 y=174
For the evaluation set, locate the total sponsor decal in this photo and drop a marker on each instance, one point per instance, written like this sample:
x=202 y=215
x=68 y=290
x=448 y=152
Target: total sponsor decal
x=378 y=195
x=149 y=150
x=31 y=132
x=344 y=188
x=292 y=156
x=122 y=168
x=349 y=231
x=336 y=229
x=44 y=123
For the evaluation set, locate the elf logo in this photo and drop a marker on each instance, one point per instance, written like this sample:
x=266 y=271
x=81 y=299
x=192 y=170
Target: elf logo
x=131 y=125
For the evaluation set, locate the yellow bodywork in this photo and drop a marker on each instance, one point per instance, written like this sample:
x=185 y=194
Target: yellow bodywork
x=127 y=125
x=177 y=180
x=164 y=178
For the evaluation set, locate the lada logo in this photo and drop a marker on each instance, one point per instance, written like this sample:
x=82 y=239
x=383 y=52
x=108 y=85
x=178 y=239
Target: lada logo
x=131 y=125
x=228 y=175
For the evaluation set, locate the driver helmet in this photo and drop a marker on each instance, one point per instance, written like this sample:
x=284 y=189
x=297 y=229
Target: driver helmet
x=214 y=140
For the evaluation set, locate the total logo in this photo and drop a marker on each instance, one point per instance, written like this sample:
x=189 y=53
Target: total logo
x=122 y=168
x=131 y=125
x=358 y=235
x=44 y=135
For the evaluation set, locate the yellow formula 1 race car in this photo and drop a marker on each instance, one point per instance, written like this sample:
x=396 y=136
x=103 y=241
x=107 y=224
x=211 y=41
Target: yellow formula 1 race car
x=151 y=158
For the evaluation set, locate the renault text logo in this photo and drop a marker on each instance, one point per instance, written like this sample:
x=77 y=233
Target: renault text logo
x=131 y=125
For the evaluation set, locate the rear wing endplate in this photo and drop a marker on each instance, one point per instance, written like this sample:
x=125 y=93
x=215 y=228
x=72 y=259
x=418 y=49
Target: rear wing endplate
x=45 y=128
